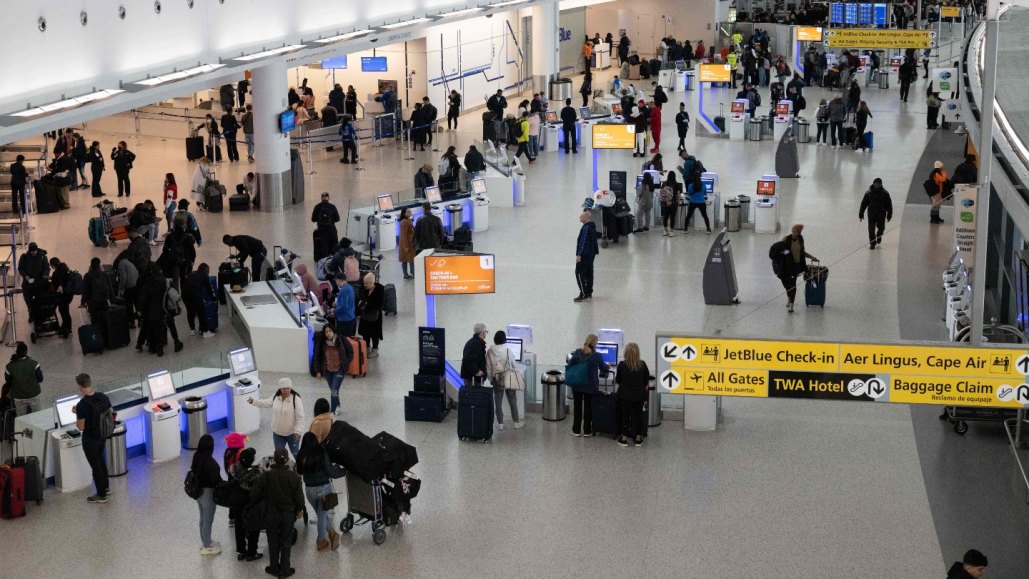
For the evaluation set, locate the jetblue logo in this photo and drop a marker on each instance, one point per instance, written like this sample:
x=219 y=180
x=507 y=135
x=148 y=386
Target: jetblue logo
x=564 y=34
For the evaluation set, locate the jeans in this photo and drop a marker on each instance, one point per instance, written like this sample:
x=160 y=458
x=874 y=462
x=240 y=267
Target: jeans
x=325 y=518
x=584 y=275
x=23 y=406
x=250 y=145
x=823 y=132
x=582 y=413
x=407 y=268
x=94 y=452
x=534 y=145
x=632 y=418
x=207 y=507
x=335 y=380
x=281 y=441
x=498 y=401
x=836 y=131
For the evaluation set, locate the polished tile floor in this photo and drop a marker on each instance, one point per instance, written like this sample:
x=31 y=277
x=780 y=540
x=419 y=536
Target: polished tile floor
x=782 y=489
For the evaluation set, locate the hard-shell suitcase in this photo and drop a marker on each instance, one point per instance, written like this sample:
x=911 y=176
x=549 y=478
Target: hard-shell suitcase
x=213 y=196
x=427 y=382
x=239 y=202
x=96 y=232
x=488 y=132
x=34 y=483
x=814 y=294
x=91 y=339
x=12 y=492
x=849 y=135
x=389 y=305
x=359 y=363
x=119 y=233
x=645 y=69
x=210 y=314
x=634 y=72
x=425 y=406
x=869 y=138
x=194 y=148
x=605 y=413
x=720 y=123
x=217 y=153
x=475 y=413
x=116 y=327
x=46 y=196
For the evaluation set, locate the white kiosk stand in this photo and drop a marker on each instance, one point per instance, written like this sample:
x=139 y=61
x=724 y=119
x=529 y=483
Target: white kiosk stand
x=480 y=205
x=700 y=413
x=386 y=225
x=244 y=384
x=783 y=117
x=163 y=436
x=71 y=469
x=738 y=119
x=766 y=210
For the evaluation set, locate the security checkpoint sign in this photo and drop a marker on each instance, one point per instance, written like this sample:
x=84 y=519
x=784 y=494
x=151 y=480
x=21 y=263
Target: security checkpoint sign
x=909 y=374
x=879 y=38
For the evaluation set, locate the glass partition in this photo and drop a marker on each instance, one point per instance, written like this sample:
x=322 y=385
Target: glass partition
x=496 y=157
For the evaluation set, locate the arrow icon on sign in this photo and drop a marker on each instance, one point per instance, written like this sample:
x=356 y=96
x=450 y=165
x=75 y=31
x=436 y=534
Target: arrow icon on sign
x=670 y=379
x=671 y=351
x=688 y=353
x=1023 y=364
x=875 y=387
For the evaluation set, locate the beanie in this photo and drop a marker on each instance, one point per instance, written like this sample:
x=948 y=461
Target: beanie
x=938 y=164
x=975 y=558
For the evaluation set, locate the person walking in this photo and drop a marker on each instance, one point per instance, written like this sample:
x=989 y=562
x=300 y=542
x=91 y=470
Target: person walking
x=906 y=74
x=150 y=304
x=822 y=122
x=698 y=200
x=453 y=109
x=633 y=379
x=880 y=211
x=196 y=292
x=794 y=256
x=206 y=469
x=332 y=355
x=23 y=376
x=645 y=203
x=568 y=120
x=123 y=158
x=586 y=250
x=19 y=180
x=247 y=124
x=283 y=489
x=861 y=120
x=523 y=138
x=60 y=284
x=938 y=187
x=317 y=470
x=288 y=421
x=502 y=372
x=90 y=413
x=669 y=195
x=585 y=385
x=371 y=302
x=473 y=357
x=405 y=245
x=837 y=113
x=682 y=125
x=971 y=566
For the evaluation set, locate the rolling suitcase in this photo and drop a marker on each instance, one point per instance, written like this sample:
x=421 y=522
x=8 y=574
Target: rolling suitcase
x=239 y=202
x=210 y=314
x=475 y=413
x=96 y=232
x=34 y=484
x=194 y=148
x=634 y=72
x=720 y=123
x=12 y=492
x=91 y=339
x=645 y=69
x=359 y=363
x=850 y=135
x=46 y=196
x=869 y=138
x=217 y=156
x=213 y=196
x=605 y=414
x=814 y=294
x=425 y=407
x=116 y=327
x=389 y=305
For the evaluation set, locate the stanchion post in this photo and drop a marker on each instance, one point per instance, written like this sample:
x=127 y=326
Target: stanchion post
x=434 y=127
x=357 y=155
x=135 y=117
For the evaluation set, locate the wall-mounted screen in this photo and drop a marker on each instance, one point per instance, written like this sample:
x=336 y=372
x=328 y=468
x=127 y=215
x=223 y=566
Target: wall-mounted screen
x=460 y=274
x=340 y=62
x=373 y=64
x=287 y=121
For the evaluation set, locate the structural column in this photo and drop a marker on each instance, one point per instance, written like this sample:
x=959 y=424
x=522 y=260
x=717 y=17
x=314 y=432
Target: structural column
x=271 y=147
x=545 y=55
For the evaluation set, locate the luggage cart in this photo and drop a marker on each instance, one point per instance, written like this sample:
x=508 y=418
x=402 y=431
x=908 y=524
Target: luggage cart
x=365 y=501
x=959 y=416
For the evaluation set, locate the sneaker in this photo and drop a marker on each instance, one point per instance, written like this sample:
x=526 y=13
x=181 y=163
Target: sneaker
x=576 y=434
x=207 y=334
x=336 y=412
x=97 y=499
x=587 y=435
x=322 y=545
x=373 y=353
x=254 y=557
x=519 y=425
x=580 y=298
x=664 y=233
x=639 y=442
x=210 y=551
x=500 y=426
x=670 y=234
x=709 y=232
x=333 y=540
x=622 y=441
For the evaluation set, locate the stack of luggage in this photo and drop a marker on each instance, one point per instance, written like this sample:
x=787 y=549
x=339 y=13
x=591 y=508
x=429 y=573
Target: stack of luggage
x=427 y=402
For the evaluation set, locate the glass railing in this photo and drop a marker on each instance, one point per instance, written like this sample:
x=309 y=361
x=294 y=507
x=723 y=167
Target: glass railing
x=496 y=157
x=186 y=373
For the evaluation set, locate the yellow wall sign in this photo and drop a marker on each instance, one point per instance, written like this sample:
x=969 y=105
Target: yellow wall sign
x=615 y=136
x=909 y=374
x=714 y=73
x=950 y=12
x=809 y=33
x=883 y=39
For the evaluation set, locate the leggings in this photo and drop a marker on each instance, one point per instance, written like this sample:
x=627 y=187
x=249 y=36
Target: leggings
x=668 y=216
x=823 y=132
x=790 y=283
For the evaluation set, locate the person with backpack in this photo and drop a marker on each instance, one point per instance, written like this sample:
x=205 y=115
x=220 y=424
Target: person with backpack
x=582 y=392
x=682 y=125
x=317 y=470
x=348 y=138
x=172 y=308
x=668 y=196
x=520 y=131
x=244 y=473
x=245 y=247
x=449 y=171
x=325 y=217
x=65 y=283
x=150 y=304
x=332 y=355
x=822 y=123
x=189 y=220
x=94 y=417
x=23 y=376
x=178 y=255
x=788 y=261
x=645 y=203
x=196 y=291
x=283 y=490
x=96 y=291
x=345 y=308
x=208 y=474
x=698 y=200
x=880 y=210
x=288 y=422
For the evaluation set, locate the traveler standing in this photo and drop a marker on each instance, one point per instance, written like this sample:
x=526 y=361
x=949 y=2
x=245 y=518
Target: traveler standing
x=502 y=369
x=230 y=126
x=428 y=231
x=241 y=91
x=248 y=131
x=586 y=250
x=345 y=307
x=633 y=378
x=196 y=292
x=405 y=245
x=583 y=392
x=638 y=118
x=123 y=158
x=568 y=120
x=932 y=104
x=19 y=180
x=172 y=307
x=473 y=161
x=350 y=102
x=150 y=304
x=429 y=116
x=128 y=280
x=60 y=284
x=314 y=465
x=793 y=247
x=322 y=422
x=861 y=120
x=96 y=167
x=645 y=203
x=90 y=416
x=206 y=469
x=371 y=302
x=97 y=290
x=325 y=216
x=473 y=357
x=171 y=196
x=283 y=490
x=967 y=172
x=332 y=355
x=669 y=195
x=587 y=87
x=422 y=179
x=214 y=137
x=534 y=134
x=880 y=210
x=906 y=75
x=34 y=269
x=822 y=122
x=23 y=375
x=453 y=109
x=655 y=127
x=837 y=113
x=971 y=566
x=698 y=200
x=245 y=474
x=288 y=420
x=682 y=125
x=939 y=187
x=248 y=247
x=348 y=137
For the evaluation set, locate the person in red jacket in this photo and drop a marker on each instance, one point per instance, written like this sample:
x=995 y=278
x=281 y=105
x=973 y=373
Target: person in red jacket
x=701 y=52
x=655 y=126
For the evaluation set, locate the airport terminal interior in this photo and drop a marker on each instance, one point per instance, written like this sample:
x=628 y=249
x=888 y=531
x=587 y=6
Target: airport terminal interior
x=781 y=487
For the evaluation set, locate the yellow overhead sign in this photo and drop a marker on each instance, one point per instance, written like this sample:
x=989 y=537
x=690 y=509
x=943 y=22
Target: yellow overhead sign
x=911 y=374
x=881 y=39
x=950 y=12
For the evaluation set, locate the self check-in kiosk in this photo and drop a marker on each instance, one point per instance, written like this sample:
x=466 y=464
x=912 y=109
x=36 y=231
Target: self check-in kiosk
x=738 y=117
x=71 y=469
x=766 y=210
x=783 y=117
x=244 y=384
x=162 y=418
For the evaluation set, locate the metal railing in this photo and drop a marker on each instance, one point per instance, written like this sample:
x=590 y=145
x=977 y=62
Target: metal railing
x=1015 y=439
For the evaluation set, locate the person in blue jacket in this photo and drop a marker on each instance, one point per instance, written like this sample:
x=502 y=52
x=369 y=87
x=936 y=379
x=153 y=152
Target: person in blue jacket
x=348 y=135
x=698 y=200
x=582 y=393
x=346 y=319
x=586 y=250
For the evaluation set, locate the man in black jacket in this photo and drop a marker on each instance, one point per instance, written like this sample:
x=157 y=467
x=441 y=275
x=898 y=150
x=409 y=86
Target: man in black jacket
x=35 y=271
x=284 y=491
x=19 y=179
x=473 y=160
x=880 y=210
x=586 y=251
x=230 y=126
x=123 y=159
x=251 y=247
x=496 y=105
x=138 y=252
x=429 y=115
x=967 y=172
x=568 y=119
x=150 y=304
x=325 y=217
x=473 y=359
x=428 y=232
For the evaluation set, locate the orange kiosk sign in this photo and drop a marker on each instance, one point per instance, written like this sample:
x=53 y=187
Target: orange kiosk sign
x=714 y=73
x=809 y=33
x=614 y=136
x=460 y=274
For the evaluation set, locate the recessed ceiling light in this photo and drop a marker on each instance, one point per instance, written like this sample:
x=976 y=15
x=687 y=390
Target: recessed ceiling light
x=396 y=25
x=342 y=37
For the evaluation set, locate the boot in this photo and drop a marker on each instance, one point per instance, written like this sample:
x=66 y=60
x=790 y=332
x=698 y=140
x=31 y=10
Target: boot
x=322 y=545
x=333 y=539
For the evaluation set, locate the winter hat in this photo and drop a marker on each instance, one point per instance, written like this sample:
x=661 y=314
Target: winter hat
x=236 y=440
x=975 y=558
x=285 y=383
x=247 y=457
x=938 y=164
x=281 y=456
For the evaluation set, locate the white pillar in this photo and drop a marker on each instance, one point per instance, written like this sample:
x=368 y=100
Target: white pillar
x=545 y=47
x=271 y=147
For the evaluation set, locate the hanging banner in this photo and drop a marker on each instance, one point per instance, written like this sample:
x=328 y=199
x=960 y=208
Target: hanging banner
x=880 y=39
x=965 y=208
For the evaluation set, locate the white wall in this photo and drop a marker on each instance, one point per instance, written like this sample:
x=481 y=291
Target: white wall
x=690 y=20
x=573 y=24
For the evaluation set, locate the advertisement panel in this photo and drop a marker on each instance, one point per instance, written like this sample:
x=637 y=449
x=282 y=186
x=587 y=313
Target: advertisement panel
x=714 y=73
x=614 y=136
x=459 y=274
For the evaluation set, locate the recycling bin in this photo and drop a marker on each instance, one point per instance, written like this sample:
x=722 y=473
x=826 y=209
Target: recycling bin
x=732 y=215
x=117 y=453
x=554 y=396
x=754 y=129
x=194 y=409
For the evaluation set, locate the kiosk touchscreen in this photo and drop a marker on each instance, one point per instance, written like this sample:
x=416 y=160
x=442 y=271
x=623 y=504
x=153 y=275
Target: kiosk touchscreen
x=608 y=352
x=245 y=416
x=385 y=202
x=680 y=66
x=522 y=332
x=432 y=195
x=515 y=345
x=478 y=186
x=616 y=108
x=552 y=117
x=242 y=361
x=766 y=188
x=64 y=409
x=584 y=113
x=160 y=385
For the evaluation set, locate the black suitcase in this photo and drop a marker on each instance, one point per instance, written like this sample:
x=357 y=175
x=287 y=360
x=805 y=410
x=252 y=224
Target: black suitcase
x=389 y=305
x=424 y=382
x=194 y=148
x=655 y=67
x=425 y=407
x=475 y=413
x=488 y=134
x=720 y=123
x=239 y=202
x=850 y=135
x=645 y=69
x=228 y=276
x=624 y=224
x=358 y=453
x=607 y=415
x=404 y=455
x=116 y=327
x=217 y=156
x=213 y=195
x=91 y=339
x=46 y=197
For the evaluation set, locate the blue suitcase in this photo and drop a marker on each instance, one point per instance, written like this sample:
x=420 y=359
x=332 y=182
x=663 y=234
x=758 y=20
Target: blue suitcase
x=868 y=139
x=814 y=294
x=97 y=234
x=475 y=413
x=210 y=314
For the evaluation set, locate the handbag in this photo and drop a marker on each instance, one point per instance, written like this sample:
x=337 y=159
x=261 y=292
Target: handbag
x=330 y=501
x=369 y=315
x=577 y=374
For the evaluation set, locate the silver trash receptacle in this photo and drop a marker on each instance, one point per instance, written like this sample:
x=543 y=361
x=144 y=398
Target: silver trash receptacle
x=688 y=81
x=194 y=409
x=554 y=396
x=884 y=78
x=768 y=125
x=117 y=451
x=680 y=216
x=803 y=130
x=732 y=215
x=560 y=89
x=744 y=201
x=653 y=404
x=754 y=129
x=456 y=212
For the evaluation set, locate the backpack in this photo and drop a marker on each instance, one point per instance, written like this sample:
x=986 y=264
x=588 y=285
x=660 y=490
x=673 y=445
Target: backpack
x=172 y=301
x=778 y=253
x=103 y=420
x=698 y=170
x=74 y=286
x=822 y=116
x=192 y=485
x=322 y=268
x=516 y=129
x=443 y=166
x=667 y=196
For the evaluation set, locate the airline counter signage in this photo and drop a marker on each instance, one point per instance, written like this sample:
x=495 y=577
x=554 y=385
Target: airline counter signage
x=879 y=39
x=714 y=73
x=907 y=374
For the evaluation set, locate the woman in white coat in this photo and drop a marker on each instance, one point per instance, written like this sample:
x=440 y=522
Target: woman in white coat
x=505 y=376
x=200 y=178
x=288 y=420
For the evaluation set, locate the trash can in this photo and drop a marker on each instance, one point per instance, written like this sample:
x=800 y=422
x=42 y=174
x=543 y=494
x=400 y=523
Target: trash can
x=560 y=89
x=688 y=81
x=554 y=396
x=680 y=215
x=744 y=208
x=754 y=129
x=117 y=454
x=194 y=409
x=884 y=78
x=803 y=130
x=768 y=125
x=653 y=405
x=456 y=211
x=732 y=215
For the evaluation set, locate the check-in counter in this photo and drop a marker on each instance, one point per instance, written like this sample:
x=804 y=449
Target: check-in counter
x=270 y=321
